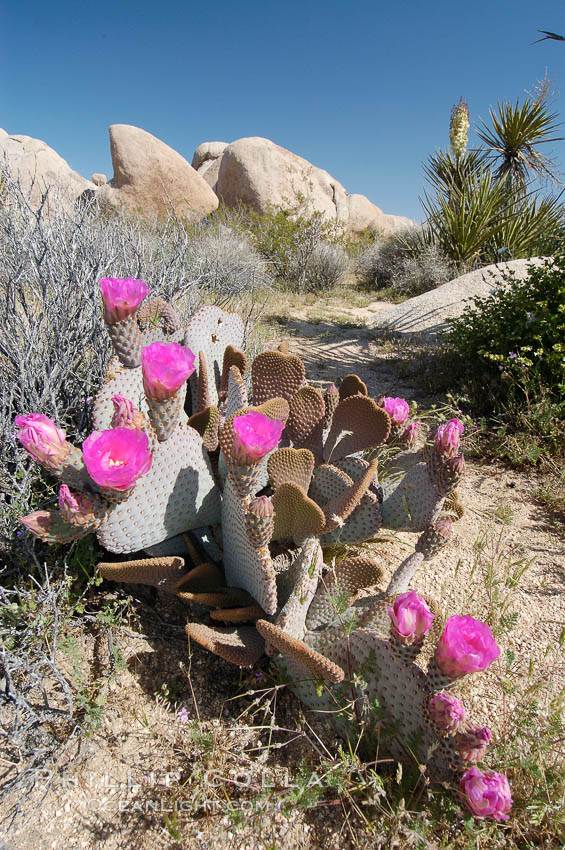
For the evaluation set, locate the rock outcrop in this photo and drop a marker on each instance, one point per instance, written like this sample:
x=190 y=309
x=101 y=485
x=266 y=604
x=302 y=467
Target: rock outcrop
x=426 y=315
x=152 y=178
x=258 y=173
x=38 y=168
x=207 y=160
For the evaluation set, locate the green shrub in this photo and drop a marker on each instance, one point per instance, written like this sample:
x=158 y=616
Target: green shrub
x=306 y=253
x=517 y=336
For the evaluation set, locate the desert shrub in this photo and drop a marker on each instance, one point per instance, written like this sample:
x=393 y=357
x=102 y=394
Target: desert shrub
x=224 y=260
x=305 y=251
x=54 y=347
x=319 y=268
x=405 y=264
x=517 y=334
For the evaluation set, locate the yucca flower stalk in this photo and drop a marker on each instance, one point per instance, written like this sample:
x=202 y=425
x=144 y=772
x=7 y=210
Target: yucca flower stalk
x=459 y=129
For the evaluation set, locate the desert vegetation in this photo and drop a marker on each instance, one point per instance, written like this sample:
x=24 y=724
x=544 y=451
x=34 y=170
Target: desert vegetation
x=249 y=763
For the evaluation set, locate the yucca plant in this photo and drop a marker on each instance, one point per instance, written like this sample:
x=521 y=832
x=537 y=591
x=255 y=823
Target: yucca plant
x=514 y=139
x=469 y=218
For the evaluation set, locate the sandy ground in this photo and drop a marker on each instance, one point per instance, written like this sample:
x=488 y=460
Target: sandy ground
x=176 y=731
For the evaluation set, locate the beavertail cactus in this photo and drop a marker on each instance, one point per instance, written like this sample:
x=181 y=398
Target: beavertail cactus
x=269 y=477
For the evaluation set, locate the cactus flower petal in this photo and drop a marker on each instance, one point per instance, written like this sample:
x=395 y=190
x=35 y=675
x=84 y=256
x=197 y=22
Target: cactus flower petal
x=448 y=713
x=397 y=408
x=410 y=617
x=486 y=793
x=254 y=435
x=166 y=366
x=116 y=458
x=466 y=646
x=121 y=297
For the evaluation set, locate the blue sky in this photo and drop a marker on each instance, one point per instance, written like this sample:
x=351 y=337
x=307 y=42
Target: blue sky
x=362 y=89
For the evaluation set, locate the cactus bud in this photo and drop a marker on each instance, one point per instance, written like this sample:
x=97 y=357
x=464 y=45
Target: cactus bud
x=444 y=527
x=448 y=437
x=38 y=522
x=472 y=744
x=456 y=464
x=125 y=414
x=448 y=713
x=410 y=617
x=262 y=507
x=411 y=433
x=41 y=439
x=75 y=508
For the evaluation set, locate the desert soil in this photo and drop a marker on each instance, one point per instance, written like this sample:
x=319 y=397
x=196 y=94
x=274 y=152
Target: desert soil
x=177 y=730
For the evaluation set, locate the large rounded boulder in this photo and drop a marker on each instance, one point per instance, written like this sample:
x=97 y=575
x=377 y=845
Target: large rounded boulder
x=153 y=179
x=261 y=174
x=39 y=169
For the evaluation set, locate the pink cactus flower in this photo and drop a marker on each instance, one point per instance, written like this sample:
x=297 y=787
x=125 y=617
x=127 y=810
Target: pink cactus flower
x=166 y=366
x=466 y=646
x=38 y=522
x=397 y=409
x=115 y=459
x=121 y=297
x=76 y=508
x=472 y=744
x=410 y=617
x=447 y=711
x=448 y=437
x=486 y=793
x=125 y=414
x=411 y=433
x=254 y=435
x=41 y=439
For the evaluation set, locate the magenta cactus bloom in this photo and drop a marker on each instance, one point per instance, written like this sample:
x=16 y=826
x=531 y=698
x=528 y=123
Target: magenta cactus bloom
x=125 y=414
x=411 y=433
x=472 y=744
x=38 y=522
x=448 y=437
x=466 y=646
x=116 y=458
x=486 y=793
x=254 y=435
x=397 y=409
x=448 y=713
x=166 y=366
x=410 y=617
x=121 y=297
x=41 y=439
x=76 y=508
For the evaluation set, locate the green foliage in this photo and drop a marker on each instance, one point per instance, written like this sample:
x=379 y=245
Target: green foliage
x=480 y=206
x=514 y=139
x=305 y=252
x=517 y=335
